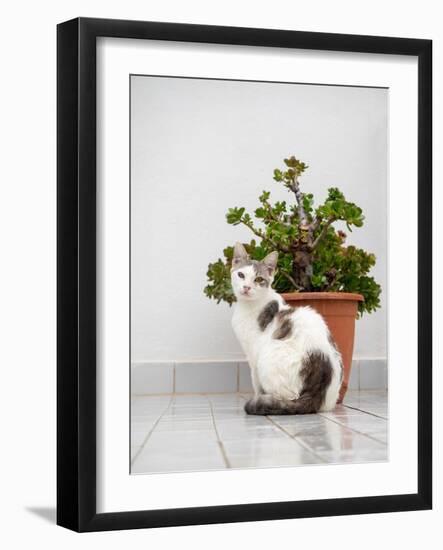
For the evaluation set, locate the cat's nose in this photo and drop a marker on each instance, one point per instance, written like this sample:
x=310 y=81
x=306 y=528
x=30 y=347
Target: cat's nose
x=246 y=288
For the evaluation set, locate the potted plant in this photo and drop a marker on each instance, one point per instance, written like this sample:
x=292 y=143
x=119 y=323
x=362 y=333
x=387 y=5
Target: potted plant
x=315 y=266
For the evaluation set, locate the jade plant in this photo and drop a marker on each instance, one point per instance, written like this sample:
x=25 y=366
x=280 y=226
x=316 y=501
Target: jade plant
x=313 y=255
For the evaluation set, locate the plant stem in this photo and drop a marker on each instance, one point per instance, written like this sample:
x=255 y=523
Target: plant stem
x=322 y=233
x=316 y=223
x=259 y=233
x=270 y=213
x=291 y=280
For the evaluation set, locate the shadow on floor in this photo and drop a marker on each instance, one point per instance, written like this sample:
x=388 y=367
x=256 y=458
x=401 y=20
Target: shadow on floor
x=46 y=513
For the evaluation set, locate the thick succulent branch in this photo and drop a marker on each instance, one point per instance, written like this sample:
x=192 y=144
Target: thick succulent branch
x=295 y=188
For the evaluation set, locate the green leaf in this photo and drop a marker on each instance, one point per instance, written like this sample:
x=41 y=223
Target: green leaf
x=264 y=196
x=234 y=215
x=278 y=176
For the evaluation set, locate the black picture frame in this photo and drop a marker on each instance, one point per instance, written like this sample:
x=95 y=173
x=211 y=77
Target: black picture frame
x=76 y=277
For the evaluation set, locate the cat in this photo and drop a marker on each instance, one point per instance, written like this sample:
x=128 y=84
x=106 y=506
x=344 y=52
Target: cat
x=294 y=362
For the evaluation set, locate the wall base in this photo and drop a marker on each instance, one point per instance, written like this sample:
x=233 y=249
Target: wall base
x=231 y=376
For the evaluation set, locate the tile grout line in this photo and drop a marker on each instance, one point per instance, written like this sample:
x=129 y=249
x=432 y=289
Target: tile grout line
x=219 y=441
x=353 y=429
x=142 y=446
x=299 y=441
x=366 y=412
x=294 y=438
x=330 y=419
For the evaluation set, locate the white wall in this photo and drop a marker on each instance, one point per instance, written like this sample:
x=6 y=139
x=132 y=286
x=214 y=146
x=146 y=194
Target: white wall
x=202 y=146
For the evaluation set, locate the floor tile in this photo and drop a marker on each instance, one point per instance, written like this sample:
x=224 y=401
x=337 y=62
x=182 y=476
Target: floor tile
x=234 y=429
x=356 y=456
x=186 y=413
x=138 y=436
x=363 y=423
x=149 y=405
x=250 y=453
x=158 y=463
x=177 y=424
x=182 y=438
x=185 y=432
x=192 y=400
x=226 y=400
x=158 y=458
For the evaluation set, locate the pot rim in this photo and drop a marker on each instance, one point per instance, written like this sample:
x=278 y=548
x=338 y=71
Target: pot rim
x=349 y=296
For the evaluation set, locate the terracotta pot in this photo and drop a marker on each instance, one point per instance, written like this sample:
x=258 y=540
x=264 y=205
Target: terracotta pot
x=339 y=310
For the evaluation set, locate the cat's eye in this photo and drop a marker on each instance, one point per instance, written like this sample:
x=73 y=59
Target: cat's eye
x=259 y=280
x=240 y=274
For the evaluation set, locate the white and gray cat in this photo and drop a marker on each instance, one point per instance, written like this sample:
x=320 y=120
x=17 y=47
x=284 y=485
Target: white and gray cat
x=295 y=365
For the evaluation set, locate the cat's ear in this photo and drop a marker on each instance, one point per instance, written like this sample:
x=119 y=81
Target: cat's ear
x=271 y=262
x=240 y=256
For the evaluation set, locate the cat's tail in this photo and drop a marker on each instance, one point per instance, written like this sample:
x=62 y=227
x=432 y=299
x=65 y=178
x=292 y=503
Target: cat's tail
x=266 y=404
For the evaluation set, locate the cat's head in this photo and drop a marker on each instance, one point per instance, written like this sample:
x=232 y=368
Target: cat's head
x=251 y=279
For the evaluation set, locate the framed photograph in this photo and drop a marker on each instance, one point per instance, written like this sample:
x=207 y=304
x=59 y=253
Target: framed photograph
x=244 y=274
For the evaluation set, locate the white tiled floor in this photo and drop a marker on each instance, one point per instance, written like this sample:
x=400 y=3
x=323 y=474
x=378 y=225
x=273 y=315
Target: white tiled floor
x=176 y=433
